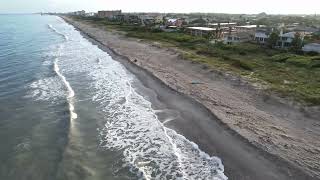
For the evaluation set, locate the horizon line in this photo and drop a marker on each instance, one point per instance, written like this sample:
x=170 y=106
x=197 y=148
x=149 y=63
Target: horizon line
x=297 y=14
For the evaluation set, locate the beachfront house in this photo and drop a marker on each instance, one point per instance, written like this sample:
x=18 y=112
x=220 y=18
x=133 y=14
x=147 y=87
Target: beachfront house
x=261 y=36
x=311 y=47
x=78 y=13
x=237 y=37
x=90 y=14
x=285 y=40
x=109 y=14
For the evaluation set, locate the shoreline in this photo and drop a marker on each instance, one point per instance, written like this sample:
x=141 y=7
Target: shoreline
x=248 y=146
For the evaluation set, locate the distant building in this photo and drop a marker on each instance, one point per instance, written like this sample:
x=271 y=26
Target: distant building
x=109 y=14
x=305 y=30
x=90 y=14
x=312 y=47
x=200 y=31
x=79 y=13
x=132 y=19
x=147 y=20
x=174 y=22
x=285 y=40
x=261 y=36
x=158 y=19
x=248 y=28
x=237 y=37
x=222 y=25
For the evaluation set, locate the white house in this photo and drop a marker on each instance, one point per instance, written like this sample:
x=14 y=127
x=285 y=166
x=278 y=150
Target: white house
x=285 y=40
x=237 y=37
x=261 y=37
x=315 y=47
x=90 y=14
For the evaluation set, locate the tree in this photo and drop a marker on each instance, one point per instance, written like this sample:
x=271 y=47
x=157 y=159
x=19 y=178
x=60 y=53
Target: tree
x=296 y=42
x=273 y=38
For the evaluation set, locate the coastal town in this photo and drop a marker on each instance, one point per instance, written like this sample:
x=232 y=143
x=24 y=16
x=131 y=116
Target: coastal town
x=212 y=90
x=283 y=33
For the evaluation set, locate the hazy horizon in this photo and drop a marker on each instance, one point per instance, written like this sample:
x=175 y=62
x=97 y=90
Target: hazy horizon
x=166 y=6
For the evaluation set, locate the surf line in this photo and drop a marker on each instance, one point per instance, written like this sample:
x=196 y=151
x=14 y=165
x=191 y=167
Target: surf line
x=56 y=31
x=70 y=95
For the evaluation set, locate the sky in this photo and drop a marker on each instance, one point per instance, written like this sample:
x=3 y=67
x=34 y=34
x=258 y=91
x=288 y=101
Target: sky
x=179 y=6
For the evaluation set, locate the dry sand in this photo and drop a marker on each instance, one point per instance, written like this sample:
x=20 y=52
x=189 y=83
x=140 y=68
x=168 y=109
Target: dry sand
x=272 y=130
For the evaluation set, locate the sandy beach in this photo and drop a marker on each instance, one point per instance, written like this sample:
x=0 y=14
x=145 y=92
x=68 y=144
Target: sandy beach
x=257 y=135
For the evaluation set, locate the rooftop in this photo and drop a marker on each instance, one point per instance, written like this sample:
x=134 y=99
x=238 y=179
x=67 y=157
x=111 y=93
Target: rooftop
x=250 y=26
x=289 y=34
x=201 y=28
x=221 y=24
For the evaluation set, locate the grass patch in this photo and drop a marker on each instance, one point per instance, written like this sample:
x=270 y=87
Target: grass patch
x=299 y=61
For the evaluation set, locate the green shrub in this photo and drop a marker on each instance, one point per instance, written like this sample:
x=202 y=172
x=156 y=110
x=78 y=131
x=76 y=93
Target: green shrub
x=299 y=61
x=312 y=53
x=242 y=53
x=242 y=64
x=314 y=64
x=315 y=58
x=206 y=52
x=281 y=57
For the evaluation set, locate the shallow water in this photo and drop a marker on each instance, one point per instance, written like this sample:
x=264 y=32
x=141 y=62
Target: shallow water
x=69 y=111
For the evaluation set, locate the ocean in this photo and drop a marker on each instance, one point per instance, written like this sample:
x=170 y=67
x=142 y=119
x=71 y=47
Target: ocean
x=69 y=111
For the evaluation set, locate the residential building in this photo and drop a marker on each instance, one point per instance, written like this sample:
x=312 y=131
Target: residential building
x=305 y=30
x=261 y=36
x=90 y=14
x=311 y=47
x=285 y=40
x=222 y=25
x=200 y=31
x=79 y=13
x=174 y=22
x=147 y=20
x=132 y=19
x=237 y=37
x=158 y=19
x=119 y=18
x=109 y=14
x=247 y=28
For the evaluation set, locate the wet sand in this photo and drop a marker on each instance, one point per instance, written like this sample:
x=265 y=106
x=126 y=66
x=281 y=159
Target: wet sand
x=224 y=115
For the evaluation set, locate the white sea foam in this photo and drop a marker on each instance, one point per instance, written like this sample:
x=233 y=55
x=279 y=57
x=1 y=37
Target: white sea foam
x=58 y=32
x=46 y=89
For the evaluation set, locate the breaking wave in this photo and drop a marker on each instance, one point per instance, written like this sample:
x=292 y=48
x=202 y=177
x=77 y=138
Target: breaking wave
x=70 y=96
x=59 y=33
